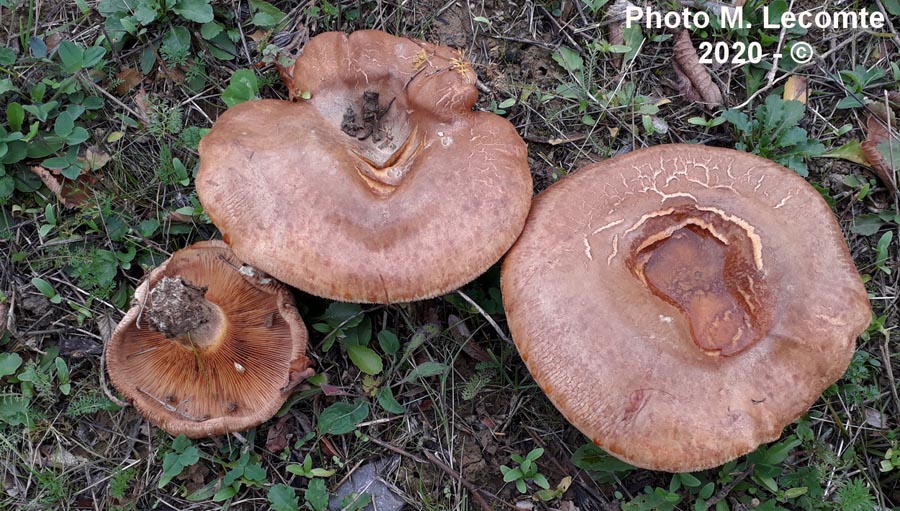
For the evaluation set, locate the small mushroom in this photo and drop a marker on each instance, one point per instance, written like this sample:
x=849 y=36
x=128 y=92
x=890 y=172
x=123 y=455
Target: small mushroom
x=205 y=349
x=384 y=186
x=682 y=304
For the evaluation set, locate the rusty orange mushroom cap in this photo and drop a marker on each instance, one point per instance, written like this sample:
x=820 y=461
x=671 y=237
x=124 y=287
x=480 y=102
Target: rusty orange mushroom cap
x=680 y=305
x=206 y=349
x=384 y=186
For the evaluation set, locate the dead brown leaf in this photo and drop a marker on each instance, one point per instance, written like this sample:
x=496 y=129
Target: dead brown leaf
x=128 y=79
x=616 y=14
x=878 y=150
x=276 y=439
x=94 y=158
x=694 y=80
x=795 y=89
x=70 y=193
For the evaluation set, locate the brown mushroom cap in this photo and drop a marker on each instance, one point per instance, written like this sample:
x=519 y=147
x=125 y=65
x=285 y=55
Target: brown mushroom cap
x=383 y=187
x=680 y=305
x=234 y=372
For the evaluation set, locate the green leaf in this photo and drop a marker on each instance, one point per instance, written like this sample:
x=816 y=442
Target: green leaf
x=174 y=463
x=283 y=498
x=64 y=124
x=9 y=362
x=6 y=86
x=387 y=401
x=342 y=418
x=194 y=10
x=145 y=13
x=512 y=475
x=541 y=481
x=210 y=30
x=92 y=56
x=15 y=114
x=254 y=472
x=7 y=187
x=177 y=40
x=7 y=56
x=225 y=493
x=46 y=289
x=855 y=101
x=389 y=342
x=426 y=370
x=592 y=458
x=892 y=7
x=365 y=359
x=71 y=56
x=569 y=59
x=267 y=15
x=316 y=495
x=426 y=332
x=243 y=87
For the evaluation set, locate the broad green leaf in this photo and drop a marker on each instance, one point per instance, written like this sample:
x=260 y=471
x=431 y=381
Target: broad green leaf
x=194 y=10
x=64 y=124
x=7 y=186
x=71 y=56
x=7 y=56
x=225 y=493
x=46 y=289
x=365 y=359
x=389 y=342
x=342 y=418
x=387 y=401
x=316 y=495
x=174 y=463
x=177 y=40
x=426 y=370
x=15 y=115
x=569 y=59
x=92 y=56
x=283 y=498
x=9 y=362
x=267 y=15
x=210 y=30
x=243 y=87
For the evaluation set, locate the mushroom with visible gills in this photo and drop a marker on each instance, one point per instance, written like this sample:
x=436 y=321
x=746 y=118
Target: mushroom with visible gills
x=206 y=348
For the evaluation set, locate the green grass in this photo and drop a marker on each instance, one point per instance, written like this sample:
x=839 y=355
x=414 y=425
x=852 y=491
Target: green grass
x=432 y=382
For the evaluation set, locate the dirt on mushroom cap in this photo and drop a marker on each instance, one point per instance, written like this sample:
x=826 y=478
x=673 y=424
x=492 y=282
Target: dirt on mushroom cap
x=384 y=186
x=230 y=383
x=624 y=364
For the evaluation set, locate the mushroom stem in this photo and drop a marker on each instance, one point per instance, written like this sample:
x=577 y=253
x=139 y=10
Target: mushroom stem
x=179 y=310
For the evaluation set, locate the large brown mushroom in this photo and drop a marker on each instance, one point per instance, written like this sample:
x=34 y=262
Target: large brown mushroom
x=383 y=186
x=209 y=346
x=681 y=304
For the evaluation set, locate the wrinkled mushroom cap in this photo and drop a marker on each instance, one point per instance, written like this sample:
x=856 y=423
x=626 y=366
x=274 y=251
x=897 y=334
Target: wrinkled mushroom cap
x=681 y=304
x=383 y=187
x=236 y=382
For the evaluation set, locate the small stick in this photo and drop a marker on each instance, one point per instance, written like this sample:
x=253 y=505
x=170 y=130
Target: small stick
x=727 y=489
x=452 y=473
x=885 y=352
x=486 y=316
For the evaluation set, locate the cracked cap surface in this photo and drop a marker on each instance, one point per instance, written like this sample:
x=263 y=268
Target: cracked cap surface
x=384 y=186
x=236 y=381
x=681 y=304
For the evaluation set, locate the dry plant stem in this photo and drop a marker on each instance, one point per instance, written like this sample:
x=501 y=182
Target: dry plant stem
x=727 y=489
x=770 y=76
x=486 y=316
x=455 y=475
x=892 y=384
